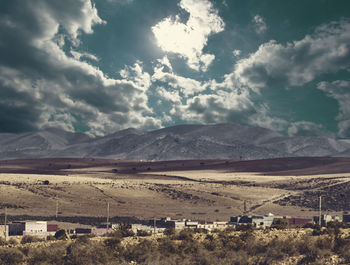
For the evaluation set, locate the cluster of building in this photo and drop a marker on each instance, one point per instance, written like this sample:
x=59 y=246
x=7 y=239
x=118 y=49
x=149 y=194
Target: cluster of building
x=29 y=228
x=270 y=220
x=257 y=221
x=43 y=229
x=158 y=226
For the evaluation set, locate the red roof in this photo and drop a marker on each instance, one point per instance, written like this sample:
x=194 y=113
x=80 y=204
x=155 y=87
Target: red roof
x=298 y=221
x=52 y=228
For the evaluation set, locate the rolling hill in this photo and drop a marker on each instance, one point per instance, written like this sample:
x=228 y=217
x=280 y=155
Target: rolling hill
x=182 y=142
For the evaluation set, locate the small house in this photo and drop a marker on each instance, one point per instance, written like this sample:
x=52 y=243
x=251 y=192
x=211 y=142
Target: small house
x=36 y=228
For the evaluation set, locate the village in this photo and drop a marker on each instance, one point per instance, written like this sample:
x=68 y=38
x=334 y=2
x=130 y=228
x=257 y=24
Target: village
x=44 y=229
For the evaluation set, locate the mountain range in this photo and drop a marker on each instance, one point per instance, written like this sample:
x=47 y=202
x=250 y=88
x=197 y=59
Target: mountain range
x=182 y=142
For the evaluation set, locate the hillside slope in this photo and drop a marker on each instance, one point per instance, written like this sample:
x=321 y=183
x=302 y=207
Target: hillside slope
x=221 y=141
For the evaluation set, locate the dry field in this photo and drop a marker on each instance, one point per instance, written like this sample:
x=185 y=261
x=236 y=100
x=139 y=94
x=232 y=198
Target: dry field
x=201 y=190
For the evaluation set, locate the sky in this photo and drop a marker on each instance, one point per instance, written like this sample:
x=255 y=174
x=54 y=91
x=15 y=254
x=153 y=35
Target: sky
x=106 y=65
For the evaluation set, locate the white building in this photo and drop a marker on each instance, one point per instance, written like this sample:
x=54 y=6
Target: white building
x=190 y=224
x=264 y=221
x=36 y=228
x=220 y=225
x=4 y=231
x=147 y=228
x=214 y=225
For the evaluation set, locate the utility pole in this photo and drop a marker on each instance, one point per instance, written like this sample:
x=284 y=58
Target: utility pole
x=5 y=221
x=320 y=212
x=245 y=207
x=154 y=225
x=56 y=208
x=107 y=224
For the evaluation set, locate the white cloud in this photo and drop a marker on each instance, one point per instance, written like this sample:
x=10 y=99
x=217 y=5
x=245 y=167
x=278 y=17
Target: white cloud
x=340 y=90
x=171 y=96
x=259 y=24
x=165 y=61
x=236 y=53
x=305 y=128
x=188 y=39
x=121 y=1
x=78 y=55
x=187 y=86
x=298 y=62
x=46 y=87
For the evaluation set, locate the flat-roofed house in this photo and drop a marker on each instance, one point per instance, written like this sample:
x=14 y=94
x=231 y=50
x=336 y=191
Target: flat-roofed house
x=36 y=228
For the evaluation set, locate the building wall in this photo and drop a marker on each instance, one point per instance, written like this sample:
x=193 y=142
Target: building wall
x=16 y=229
x=38 y=228
x=4 y=231
x=100 y=231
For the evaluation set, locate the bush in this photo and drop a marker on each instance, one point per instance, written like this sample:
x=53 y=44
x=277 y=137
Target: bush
x=311 y=225
x=61 y=234
x=141 y=252
x=85 y=239
x=143 y=233
x=46 y=182
x=3 y=242
x=10 y=256
x=167 y=247
x=30 y=239
x=169 y=231
x=54 y=254
x=13 y=241
x=112 y=242
x=79 y=253
x=247 y=227
x=185 y=234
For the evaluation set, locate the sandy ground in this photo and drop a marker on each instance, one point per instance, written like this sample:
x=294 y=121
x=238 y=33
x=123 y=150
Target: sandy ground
x=152 y=190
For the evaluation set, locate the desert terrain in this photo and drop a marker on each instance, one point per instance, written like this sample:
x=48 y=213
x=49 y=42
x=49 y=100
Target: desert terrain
x=195 y=189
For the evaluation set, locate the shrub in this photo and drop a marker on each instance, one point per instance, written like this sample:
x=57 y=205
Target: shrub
x=167 y=247
x=313 y=226
x=279 y=223
x=30 y=239
x=185 y=234
x=50 y=238
x=143 y=233
x=61 y=234
x=79 y=253
x=10 y=256
x=3 y=242
x=169 y=231
x=13 y=241
x=141 y=252
x=85 y=239
x=54 y=254
x=112 y=242
x=247 y=227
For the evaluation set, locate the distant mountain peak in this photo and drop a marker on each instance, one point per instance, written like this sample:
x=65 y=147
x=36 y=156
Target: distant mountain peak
x=192 y=141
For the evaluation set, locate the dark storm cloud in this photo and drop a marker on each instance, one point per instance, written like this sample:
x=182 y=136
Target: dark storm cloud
x=42 y=85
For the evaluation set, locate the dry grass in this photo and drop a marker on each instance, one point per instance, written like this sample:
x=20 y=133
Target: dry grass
x=193 y=192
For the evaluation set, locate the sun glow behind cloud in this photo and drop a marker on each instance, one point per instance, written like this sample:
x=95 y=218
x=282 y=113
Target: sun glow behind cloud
x=188 y=39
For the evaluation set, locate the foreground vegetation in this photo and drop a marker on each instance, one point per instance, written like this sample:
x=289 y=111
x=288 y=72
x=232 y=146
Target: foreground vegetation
x=296 y=246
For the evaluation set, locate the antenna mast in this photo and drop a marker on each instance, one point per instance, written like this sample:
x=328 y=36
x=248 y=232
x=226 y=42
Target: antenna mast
x=320 y=212
x=107 y=224
x=5 y=221
x=56 y=208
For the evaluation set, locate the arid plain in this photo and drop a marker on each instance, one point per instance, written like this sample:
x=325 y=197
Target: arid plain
x=195 y=189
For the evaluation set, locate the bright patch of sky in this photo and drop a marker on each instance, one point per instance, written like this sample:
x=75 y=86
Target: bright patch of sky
x=105 y=65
